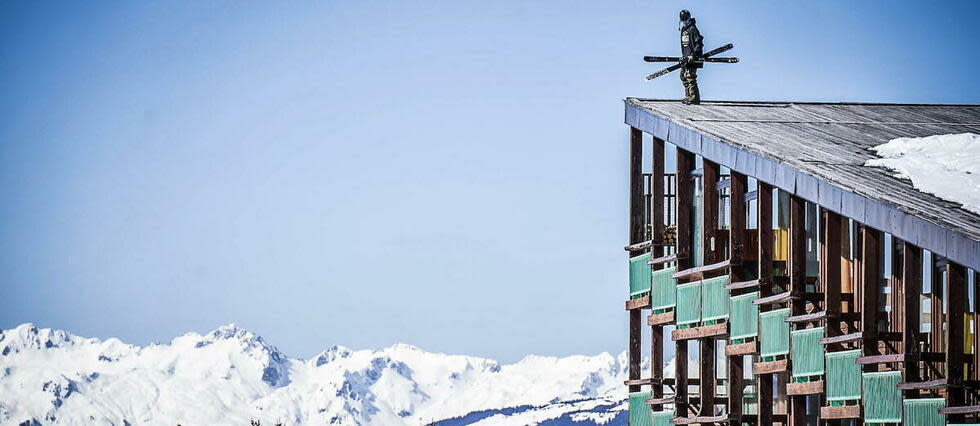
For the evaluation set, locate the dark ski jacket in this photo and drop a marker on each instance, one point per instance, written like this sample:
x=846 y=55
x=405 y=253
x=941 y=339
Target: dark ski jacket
x=691 y=41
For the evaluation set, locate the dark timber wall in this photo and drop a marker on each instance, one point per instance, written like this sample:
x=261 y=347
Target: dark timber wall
x=911 y=321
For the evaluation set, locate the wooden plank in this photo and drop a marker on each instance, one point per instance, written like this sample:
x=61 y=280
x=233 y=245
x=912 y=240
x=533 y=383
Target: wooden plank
x=699 y=270
x=807 y=318
x=846 y=338
x=638 y=382
x=663 y=259
x=902 y=358
x=966 y=409
x=929 y=384
x=843 y=412
x=773 y=299
x=805 y=388
x=748 y=348
x=741 y=285
x=660 y=319
x=770 y=367
x=703 y=332
x=642 y=302
x=662 y=400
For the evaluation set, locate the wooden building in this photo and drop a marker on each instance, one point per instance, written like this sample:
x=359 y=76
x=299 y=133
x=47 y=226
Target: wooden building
x=794 y=284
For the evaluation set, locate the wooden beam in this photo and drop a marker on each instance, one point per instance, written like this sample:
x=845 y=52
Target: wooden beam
x=830 y=273
x=748 y=348
x=967 y=409
x=657 y=216
x=703 y=332
x=805 y=388
x=842 y=412
x=869 y=285
x=660 y=319
x=634 y=348
x=741 y=285
x=699 y=270
x=738 y=185
x=657 y=359
x=764 y=256
x=685 y=211
x=770 y=367
x=912 y=288
x=956 y=301
x=636 y=186
x=796 y=263
x=636 y=205
x=638 y=303
x=928 y=384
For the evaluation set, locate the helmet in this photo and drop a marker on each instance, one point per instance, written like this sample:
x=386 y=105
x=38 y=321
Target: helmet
x=685 y=15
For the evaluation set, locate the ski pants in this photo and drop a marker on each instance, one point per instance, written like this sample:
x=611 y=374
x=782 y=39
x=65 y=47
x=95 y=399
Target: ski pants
x=689 y=76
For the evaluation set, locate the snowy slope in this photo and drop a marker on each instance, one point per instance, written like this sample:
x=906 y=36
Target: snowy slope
x=947 y=166
x=230 y=376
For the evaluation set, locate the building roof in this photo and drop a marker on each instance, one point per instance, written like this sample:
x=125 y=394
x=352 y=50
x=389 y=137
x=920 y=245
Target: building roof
x=817 y=151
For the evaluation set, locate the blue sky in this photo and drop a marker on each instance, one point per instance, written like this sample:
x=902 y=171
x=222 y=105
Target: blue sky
x=449 y=174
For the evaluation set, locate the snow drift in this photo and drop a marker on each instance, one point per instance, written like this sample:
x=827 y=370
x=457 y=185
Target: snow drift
x=947 y=166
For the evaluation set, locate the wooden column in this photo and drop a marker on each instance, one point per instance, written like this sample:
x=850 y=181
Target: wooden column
x=657 y=225
x=956 y=304
x=736 y=247
x=764 y=212
x=635 y=236
x=711 y=248
x=685 y=207
x=912 y=288
x=796 y=265
x=830 y=273
x=869 y=286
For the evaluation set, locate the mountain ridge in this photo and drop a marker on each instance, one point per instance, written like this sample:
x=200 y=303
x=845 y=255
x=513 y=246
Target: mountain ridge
x=231 y=375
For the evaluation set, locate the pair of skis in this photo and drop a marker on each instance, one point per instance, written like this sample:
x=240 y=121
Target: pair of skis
x=707 y=57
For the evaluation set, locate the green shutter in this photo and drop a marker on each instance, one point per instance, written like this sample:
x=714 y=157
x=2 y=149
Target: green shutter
x=714 y=299
x=640 y=412
x=639 y=275
x=925 y=412
x=662 y=418
x=744 y=316
x=807 y=352
x=882 y=400
x=688 y=311
x=664 y=294
x=773 y=333
x=843 y=376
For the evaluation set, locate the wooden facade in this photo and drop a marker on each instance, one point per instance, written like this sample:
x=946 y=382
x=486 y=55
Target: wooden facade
x=801 y=313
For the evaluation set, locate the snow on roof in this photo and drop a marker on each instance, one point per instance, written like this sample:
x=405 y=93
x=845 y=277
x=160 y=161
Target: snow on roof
x=818 y=151
x=947 y=166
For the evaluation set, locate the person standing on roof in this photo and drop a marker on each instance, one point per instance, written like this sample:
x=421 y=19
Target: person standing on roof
x=692 y=48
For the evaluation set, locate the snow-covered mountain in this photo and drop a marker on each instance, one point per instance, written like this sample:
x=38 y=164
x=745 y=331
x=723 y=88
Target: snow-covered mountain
x=231 y=376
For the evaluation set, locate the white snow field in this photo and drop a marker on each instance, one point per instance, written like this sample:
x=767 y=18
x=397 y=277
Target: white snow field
x=947 y=166
x=230 y=376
